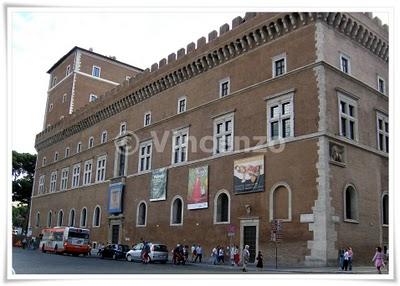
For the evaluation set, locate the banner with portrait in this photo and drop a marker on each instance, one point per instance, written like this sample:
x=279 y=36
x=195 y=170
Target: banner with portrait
x=249 y=175
x=158 y=186
x=198 y=188
x=115 y=198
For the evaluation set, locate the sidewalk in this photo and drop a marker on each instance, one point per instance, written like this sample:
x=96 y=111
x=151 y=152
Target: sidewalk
x=294 y=270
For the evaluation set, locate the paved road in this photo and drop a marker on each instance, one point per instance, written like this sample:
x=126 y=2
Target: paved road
x=36 y=262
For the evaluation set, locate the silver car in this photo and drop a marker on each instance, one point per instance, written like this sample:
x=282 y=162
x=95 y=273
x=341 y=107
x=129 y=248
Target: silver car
x=158 y=252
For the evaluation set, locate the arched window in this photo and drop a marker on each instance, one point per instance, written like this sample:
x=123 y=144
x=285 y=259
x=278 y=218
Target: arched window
x=177 y=211
x=350 y=204
x=222 y=207
x=60 y=218
x=83 y=217
x=71 y=219
x=37 y=223
x=141 y=214
x=385 y=209
x=96 y=216
x=49 y=219
x=280 y=202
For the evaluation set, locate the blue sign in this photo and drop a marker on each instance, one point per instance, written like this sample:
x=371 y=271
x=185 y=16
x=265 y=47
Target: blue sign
x=115 y=198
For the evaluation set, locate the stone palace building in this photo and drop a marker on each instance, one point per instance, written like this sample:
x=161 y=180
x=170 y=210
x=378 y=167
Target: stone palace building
x=276 y=116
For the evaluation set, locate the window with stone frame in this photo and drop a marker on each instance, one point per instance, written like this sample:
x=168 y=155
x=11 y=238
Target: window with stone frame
x=145 y=151
x=350 y=204
x=224 y=87
x=385 y=209
x=96 y=216
x=180 y=145
x=177 y=212
x=91 y=142
x=280 y=117
x=222 y=208
x=64 y=179
x=87 y=172
x=224 y=133
x=104 y=135
x=53 y=181
x=83 y=222
x=348 y=119
x=41 y=184
x=76 y=175
x=141 y=214
x=71 y=219
x=101 y=168
x=147 y=119
x=96 y=71
x=345 y=65
x=382 y=132
x=279 y=65
x=381 y=85
x=182 y=104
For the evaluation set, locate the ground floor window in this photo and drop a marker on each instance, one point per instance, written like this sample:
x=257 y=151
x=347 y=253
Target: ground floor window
x=350 y=204
x=177 y=211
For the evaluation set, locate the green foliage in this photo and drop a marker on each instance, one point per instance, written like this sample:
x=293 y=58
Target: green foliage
x=20 y=216
x=23 y=170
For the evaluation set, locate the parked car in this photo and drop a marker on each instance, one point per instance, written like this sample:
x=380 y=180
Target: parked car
x=158 y=252
x=115 y=251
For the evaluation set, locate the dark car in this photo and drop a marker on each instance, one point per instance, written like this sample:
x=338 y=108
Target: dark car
x=115 y=251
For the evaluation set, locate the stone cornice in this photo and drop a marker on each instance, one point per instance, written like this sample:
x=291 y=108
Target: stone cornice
x=150 y=83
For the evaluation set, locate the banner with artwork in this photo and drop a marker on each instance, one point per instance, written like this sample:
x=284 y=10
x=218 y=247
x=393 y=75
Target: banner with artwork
x=158 y=188
x=115 y=198
x=249 y=175
x=198 y=188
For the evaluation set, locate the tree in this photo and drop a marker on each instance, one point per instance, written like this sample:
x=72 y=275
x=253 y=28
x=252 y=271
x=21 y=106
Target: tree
x=20 y=216
x=23 y=170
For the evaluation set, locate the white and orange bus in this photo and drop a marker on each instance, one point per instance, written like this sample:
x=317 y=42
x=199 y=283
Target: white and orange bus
x=65 y=240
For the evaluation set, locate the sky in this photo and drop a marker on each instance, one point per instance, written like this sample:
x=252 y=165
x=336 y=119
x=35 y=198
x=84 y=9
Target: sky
x=38 y=37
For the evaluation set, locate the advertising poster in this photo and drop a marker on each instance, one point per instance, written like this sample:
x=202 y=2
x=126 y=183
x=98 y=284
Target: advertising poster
x=158 y=186
x=198 y=188
x=249 y=175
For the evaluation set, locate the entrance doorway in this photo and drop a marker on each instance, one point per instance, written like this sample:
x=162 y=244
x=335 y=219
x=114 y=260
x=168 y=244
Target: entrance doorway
x=249 y=235
x=115 y=234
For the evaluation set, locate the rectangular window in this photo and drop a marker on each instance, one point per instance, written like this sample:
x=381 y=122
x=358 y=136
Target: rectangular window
x=121 y=161
x=64 y=179
x=41 y=184
x=279 y=65
x=145 y=149
x=181 y=104
x=64 y=98
x=348 y=117
x=382 y=132
x=87 y=173
x=147 y=119
x=223 y=134
x=76 y=175
x=381 y=85
x=180 y=145
x=50 y=107
x=68 y=70
x=55 y=156
x=91 y=142
x=122 y=128
x=78 y=147
x=280 y=114
x=92 y=97
x=53 y=182
x=54 y=81
x=345 y=64
x=66 y=154
x=96 y=71
x=101 y=169
x=104 y=137
x=224 y=87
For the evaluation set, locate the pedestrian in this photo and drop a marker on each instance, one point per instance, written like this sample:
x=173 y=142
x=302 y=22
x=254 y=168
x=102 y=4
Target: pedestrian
x=378 y=259
x=346 y=260
x=232 y=255
x=199 y=253
x=259 y=258
x=186 y=252
x=350 y=251
x=23 y=243
x=341 y=259
x=193 y=251
x=214 y=255
x=236 y=256
x=221 y=255
x=245 y=257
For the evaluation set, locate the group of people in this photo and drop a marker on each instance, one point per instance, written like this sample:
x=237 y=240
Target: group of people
x=197 y=253
x=346 y=258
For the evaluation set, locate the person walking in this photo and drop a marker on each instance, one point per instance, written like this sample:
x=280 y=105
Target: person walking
x=259 y=258
x=221 y=255
x=245 y=257
x=346 y=260
x=341 y=258
x=378 y=259
x=199 y=253
x=214 y=256
x=350 y=252
x=232 y=255
x=193 y=251
x=236 y=256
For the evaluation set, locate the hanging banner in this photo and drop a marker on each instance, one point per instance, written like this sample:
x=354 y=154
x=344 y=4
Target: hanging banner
x=158 y=188
x=249 y=175
x=115 y=198
x=198 y=188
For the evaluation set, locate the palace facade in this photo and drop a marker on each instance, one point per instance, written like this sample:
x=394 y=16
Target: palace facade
x=276 y=116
